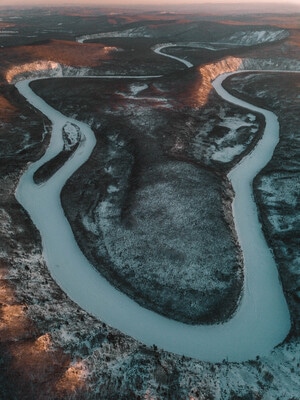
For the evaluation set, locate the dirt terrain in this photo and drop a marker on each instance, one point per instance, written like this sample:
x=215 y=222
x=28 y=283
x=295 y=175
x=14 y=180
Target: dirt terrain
x=169 y=144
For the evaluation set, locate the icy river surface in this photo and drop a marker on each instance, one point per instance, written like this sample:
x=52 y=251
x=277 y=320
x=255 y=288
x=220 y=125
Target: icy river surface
x=262 y=319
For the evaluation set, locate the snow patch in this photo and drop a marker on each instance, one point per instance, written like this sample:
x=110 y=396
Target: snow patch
x=8 y=33
x=35 y=69
x=136 y=88
x=278 y=189
x=233 y=124
x=71 y=135
x=250 y=38
x=127 y=33
x=112 y=189
x=44 y=69
x=228 y=153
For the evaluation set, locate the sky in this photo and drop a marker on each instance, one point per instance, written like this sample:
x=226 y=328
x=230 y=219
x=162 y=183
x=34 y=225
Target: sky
x=133 y=2
x=237 y=6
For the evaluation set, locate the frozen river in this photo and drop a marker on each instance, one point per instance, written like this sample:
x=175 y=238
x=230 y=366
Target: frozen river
x=262 y=319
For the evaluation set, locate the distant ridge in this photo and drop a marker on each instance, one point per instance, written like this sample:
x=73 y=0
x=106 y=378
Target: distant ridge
x=217 y=8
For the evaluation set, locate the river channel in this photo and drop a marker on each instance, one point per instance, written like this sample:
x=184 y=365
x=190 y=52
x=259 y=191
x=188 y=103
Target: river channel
x=262 y=319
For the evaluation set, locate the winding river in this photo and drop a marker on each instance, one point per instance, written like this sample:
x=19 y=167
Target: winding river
x=262 y=319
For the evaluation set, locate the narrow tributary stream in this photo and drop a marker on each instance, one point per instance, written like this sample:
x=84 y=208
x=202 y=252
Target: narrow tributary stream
x=262 y=319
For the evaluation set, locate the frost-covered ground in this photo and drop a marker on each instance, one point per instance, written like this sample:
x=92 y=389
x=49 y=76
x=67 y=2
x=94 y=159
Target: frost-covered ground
x=227 y=147
x=102 y=363
x=249 y=38
x=243 y=38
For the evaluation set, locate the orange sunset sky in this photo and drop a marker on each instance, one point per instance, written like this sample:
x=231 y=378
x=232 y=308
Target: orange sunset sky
x=138 y=2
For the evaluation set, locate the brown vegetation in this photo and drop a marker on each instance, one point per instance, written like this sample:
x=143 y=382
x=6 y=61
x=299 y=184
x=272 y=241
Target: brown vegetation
x=285 y=22
x=7 y=110
x=63 y=52
x=33 y=364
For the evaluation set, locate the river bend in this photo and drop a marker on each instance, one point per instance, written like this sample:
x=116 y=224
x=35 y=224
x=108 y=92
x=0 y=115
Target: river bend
x=262 y=319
